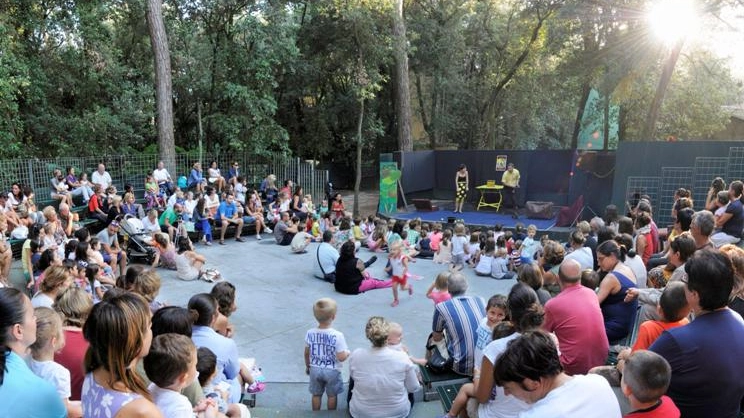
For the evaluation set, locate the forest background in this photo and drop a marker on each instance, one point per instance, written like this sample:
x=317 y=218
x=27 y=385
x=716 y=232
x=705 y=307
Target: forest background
x=316 y=78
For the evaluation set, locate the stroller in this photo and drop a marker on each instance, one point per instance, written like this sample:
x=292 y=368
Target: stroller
x=139 y=242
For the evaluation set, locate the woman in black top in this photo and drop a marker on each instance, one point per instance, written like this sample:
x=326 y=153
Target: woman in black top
x=351 y=278
x=461 y=183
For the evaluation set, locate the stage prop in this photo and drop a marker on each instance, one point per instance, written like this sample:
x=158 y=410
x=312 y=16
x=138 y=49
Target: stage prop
x=389 y=176
x=424 y=205
x=568 y=215
x=539 y=210
x=490 y=188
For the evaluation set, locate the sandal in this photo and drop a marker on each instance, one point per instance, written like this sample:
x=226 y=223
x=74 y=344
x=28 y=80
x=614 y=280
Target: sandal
x=255 y=387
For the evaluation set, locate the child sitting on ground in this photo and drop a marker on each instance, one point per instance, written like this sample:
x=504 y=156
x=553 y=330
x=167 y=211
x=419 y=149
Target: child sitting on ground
x=50 y=339
x=399 y=269
x=301 y=240
x=376 y=241
x=368 y=226
x=424 y=244
x=358 y=232
x=206 y=366
x=474 y=251
x=484 y=265
x=645 y=382
x=171 y=366
x=325 y=350
x=438 y=290
x=515 y=256
x=166 y=252
x=500 y=266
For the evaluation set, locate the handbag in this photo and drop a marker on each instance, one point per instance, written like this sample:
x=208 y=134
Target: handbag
x=439 y=360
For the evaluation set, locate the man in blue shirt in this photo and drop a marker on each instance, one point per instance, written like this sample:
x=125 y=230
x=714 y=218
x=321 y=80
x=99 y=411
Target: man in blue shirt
x=460 y=316
x=227 y=215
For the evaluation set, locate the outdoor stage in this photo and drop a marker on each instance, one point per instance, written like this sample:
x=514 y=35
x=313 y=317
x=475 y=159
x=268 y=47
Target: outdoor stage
x=480 y=219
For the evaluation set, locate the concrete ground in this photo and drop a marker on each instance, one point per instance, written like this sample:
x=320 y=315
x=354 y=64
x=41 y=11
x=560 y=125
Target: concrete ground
x=275 y=294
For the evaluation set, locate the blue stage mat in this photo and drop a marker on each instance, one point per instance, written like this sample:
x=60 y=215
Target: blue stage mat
x=488 y=219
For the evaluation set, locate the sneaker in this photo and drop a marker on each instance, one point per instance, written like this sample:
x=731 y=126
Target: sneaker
x=258 y=237
x=256 y=387
x=240 y=239
x=410 y=290
x=208 y=243
x=395 y=303
x=267 y=230
x=222 y=242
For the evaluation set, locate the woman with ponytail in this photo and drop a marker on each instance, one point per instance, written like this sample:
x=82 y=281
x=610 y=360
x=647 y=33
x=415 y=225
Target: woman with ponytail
x=118 y=331
x=21 y=391
x=618 y=314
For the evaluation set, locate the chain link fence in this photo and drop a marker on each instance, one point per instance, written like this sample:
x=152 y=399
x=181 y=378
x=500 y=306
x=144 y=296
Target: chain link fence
x=132 y=169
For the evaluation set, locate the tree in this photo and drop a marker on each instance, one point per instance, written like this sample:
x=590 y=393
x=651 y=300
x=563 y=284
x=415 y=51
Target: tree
x=402 y=93
x=163 y=83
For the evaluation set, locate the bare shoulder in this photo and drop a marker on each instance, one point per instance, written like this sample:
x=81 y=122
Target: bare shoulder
x=139 y=408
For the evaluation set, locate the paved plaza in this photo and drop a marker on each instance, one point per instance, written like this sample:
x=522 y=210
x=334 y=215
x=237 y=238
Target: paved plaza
x=276 y=290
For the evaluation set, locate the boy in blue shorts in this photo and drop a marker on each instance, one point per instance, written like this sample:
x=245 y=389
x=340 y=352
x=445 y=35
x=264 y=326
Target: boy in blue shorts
x=325 y=350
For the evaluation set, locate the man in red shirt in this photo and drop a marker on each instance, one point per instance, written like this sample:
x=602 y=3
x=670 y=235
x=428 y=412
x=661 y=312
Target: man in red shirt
x=575 y=318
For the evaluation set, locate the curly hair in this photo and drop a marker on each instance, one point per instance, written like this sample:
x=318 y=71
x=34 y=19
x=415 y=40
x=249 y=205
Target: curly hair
x=377 y=331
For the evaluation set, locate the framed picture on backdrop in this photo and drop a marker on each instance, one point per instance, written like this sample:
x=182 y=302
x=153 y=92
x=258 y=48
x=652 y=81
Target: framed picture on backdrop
x=501 y=163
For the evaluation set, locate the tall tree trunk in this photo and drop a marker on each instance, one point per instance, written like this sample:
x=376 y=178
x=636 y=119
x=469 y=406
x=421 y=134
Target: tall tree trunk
x=163 y=84
x=585 y=89
x=402 y=92
x=358 y=179
x=649 y=128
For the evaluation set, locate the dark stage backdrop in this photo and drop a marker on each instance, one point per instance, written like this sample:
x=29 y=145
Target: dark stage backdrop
x=546 y=175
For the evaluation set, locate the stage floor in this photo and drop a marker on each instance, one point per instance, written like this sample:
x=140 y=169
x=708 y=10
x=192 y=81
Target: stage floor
x=475 y=218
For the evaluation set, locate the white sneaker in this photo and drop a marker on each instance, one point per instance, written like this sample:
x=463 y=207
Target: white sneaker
x=258 y=237
x=267 y=230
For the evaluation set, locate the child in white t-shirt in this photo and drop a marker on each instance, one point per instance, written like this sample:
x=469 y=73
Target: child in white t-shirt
x=50 y=339
x=171 y=366
x=325 y=350
x=301 y=240
x=206 y=366
x=459 y=247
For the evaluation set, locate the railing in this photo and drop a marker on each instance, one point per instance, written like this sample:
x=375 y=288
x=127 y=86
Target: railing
x=132 y=169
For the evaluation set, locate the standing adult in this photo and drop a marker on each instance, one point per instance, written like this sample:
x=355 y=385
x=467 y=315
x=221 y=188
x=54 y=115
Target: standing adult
x=101 y=177
x=531 y=370
x=618 y=313
x=22 y=392
x=460 y=317
x=383 y=377
x=163 y=177
x=461 y=187
x=510 y=181
x=706 y=354
x=351 y=276
x=118 y=331
x=326 y=257
x=731 y=222
x=576 y=320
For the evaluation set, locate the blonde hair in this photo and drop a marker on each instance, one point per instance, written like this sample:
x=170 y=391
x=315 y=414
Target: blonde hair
x=531 y=227
x=459 y=229
x=48 y=327
x=147 y=284
x=377 y=331
x=500 y=252
x=324 y=310
x=54 y=277
x=395 y=328
x=441 y=281
x=74 y=305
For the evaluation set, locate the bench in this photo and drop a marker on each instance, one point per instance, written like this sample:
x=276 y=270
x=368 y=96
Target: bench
x=447 y=394
x=430 y=380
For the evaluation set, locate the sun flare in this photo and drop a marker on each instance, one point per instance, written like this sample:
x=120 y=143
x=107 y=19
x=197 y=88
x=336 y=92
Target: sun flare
x=672 y=20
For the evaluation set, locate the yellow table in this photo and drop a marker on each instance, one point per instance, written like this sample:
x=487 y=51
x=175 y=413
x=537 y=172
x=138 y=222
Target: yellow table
x=490 y=189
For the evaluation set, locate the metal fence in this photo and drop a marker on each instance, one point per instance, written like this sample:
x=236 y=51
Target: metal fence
x=132 y=169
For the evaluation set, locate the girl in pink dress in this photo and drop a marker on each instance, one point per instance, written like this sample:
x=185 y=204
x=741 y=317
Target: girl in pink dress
x=438 y=290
